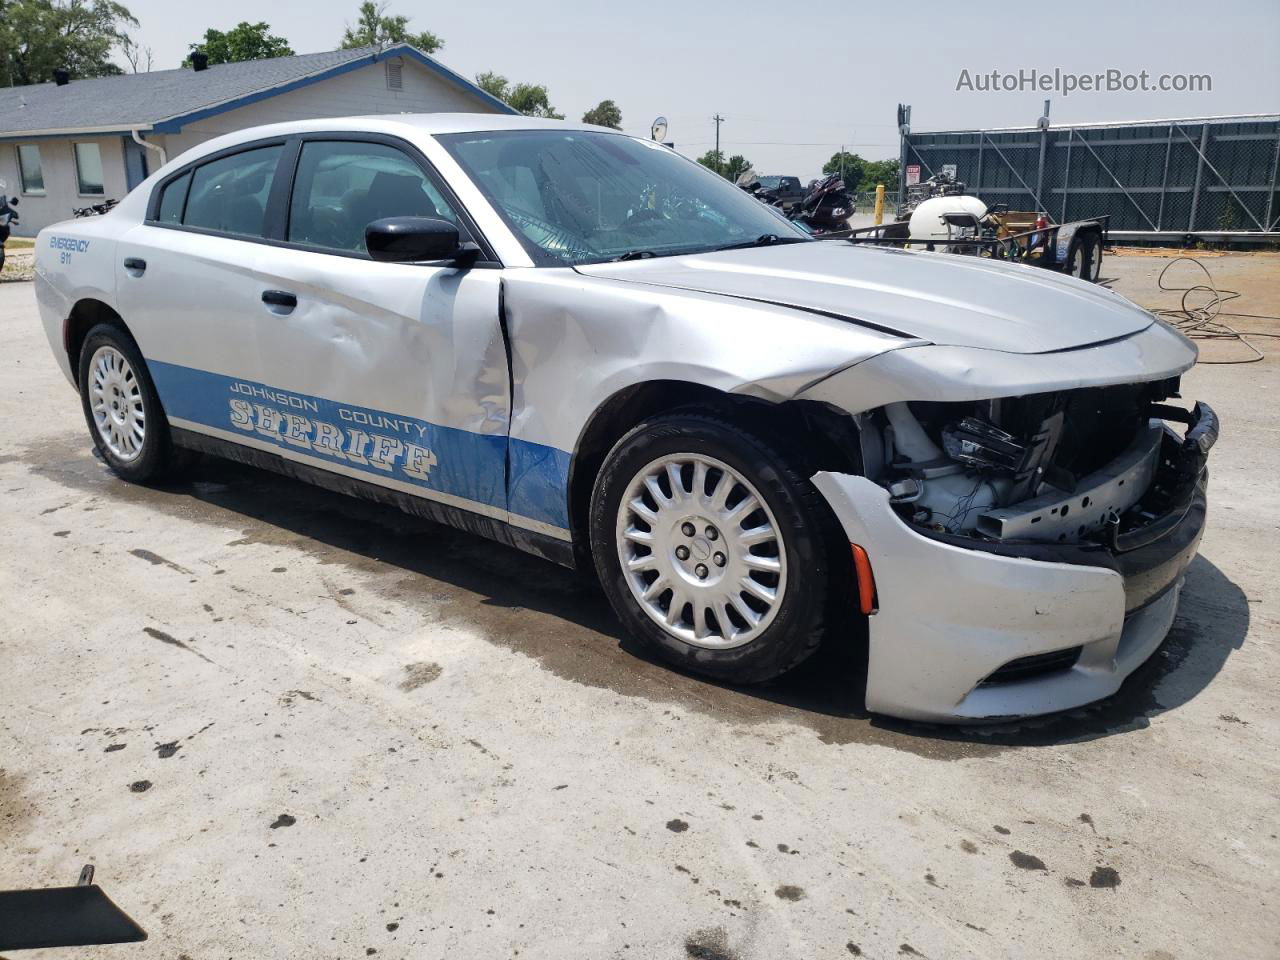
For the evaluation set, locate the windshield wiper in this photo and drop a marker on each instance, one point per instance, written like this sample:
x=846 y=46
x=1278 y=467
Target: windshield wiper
x=634 y=255
x=764 y=240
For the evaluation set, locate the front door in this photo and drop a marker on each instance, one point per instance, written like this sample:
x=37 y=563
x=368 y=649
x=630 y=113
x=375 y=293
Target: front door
x=390 y=373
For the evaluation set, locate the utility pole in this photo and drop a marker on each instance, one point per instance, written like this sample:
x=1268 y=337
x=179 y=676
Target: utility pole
x=719 y=159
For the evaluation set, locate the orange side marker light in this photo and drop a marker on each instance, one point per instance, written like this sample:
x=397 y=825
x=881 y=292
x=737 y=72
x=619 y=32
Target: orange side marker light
x=866 y=580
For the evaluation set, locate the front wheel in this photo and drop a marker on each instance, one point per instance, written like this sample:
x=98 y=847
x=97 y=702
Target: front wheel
x=713 y=550
x=121 y=407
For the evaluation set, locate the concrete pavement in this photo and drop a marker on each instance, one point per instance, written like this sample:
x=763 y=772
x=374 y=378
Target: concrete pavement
x=285 y=724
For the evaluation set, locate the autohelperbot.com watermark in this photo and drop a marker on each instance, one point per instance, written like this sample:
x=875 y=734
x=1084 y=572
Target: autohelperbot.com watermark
x=1066 y=82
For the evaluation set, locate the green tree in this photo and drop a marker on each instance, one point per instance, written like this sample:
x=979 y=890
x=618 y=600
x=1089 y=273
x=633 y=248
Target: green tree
x=713 y=160
x=374 y=26
x=244 y=41
x=880 y=171
x=38 y=36
x=848 y=165
x=730 y=169
x=604 y=114
x=736 y=166
x=531 y=99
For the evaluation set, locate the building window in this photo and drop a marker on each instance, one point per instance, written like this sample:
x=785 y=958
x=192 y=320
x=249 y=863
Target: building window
x=395 y=75
x=29 y=170
x=89 y=169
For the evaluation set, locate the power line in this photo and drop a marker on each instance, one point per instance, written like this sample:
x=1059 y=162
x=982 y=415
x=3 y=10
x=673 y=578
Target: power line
x=788 y=143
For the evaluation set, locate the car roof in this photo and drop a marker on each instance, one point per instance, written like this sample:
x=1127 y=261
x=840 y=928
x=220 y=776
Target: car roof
x=407 y=125
x=428 y=123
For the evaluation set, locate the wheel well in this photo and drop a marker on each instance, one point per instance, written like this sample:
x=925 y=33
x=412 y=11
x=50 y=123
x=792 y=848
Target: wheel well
x=86 y=315
x=812 y=435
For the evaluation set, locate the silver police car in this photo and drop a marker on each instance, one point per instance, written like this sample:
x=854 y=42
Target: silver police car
x=585 y=345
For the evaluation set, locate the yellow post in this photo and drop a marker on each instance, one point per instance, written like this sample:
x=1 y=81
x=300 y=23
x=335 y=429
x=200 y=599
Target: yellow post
x=879 y=203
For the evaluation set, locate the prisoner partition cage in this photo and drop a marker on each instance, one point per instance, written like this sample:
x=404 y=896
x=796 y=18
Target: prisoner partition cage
x=1212 y=178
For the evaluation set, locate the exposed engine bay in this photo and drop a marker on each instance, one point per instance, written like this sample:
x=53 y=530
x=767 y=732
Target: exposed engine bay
x=1066 y=467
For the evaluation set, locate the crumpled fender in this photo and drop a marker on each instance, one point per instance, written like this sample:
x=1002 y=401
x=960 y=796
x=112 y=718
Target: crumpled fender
x=577 y=341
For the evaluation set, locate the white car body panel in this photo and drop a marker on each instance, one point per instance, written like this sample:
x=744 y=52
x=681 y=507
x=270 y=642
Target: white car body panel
x=949 y=618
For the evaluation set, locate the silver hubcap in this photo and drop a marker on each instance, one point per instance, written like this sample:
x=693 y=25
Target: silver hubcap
x=115 y=397
x=701 y=552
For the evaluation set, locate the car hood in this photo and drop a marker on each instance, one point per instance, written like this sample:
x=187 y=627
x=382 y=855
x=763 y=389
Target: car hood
x=942 y=298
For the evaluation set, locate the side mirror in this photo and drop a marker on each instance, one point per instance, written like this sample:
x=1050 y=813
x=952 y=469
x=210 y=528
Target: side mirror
x=13 y=201
x=416 y=240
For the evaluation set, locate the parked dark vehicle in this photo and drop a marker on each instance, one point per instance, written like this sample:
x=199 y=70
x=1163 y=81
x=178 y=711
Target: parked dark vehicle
x=780 y=191
x=8 y=216
x=826 y=207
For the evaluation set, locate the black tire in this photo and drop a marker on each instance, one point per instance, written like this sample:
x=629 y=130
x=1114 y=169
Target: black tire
x=1093 y=257
x=1075 y=264
x=156 y=457
x=802 y=518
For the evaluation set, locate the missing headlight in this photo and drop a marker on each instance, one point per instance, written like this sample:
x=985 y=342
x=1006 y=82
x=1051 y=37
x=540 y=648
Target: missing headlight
x=979 y=444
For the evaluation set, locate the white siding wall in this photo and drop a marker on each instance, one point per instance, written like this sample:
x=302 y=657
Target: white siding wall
x=349 y=94
x=61 y=189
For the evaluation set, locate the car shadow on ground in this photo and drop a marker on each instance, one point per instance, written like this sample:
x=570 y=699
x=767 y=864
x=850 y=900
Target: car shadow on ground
x=562 y=618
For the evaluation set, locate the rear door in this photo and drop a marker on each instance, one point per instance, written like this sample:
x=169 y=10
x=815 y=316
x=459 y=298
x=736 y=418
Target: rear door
x=184 y=276
x=306 y=348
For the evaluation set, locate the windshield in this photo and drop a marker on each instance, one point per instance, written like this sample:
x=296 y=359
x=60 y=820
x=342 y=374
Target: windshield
x=583 y=197
x=770 y=183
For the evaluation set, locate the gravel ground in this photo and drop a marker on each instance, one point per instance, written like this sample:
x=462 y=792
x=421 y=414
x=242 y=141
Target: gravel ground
x=284 y=724
x=17 y=263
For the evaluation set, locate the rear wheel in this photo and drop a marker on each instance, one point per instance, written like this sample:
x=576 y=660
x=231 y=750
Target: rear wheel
x=121 y=407
x=1084 y=260
x=1093 y=260
x=1075 y=265
x=712 y=548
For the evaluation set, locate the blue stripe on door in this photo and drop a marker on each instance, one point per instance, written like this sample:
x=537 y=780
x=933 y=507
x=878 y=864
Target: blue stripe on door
x=460 y=463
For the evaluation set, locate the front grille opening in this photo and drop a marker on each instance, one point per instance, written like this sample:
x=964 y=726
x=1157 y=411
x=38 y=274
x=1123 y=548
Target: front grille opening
x=1036 y=665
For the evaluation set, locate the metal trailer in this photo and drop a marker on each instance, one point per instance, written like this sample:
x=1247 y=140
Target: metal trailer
x=1074 y=248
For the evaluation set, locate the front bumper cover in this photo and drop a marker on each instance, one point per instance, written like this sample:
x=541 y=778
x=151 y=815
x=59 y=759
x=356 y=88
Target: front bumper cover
x=953 y=611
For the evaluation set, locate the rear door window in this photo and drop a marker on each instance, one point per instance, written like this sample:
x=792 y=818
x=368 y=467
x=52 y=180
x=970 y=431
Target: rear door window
x=229 y=195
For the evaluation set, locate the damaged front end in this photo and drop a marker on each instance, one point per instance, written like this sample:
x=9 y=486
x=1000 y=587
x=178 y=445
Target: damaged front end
x=1089 y=466
x=1028 y=551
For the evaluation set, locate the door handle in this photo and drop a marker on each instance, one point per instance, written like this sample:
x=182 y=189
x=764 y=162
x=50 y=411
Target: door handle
x=280 y=298
x=135 y=263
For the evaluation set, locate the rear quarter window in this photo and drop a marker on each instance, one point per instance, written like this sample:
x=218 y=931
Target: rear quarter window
x=173 y=199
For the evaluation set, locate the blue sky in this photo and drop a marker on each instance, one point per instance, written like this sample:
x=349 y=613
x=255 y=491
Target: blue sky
x=795 y=81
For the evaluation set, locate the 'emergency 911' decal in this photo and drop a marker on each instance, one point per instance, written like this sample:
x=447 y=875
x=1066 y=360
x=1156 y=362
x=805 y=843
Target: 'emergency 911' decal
x=471 y=466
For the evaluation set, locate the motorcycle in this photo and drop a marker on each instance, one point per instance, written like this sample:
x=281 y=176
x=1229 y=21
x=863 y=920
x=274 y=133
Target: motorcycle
x=96 y=209
x=826 y=208
x=8 y=216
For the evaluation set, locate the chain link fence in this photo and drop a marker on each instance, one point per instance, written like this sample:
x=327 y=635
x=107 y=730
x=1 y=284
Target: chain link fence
x=865 y=201
x=1212 y=178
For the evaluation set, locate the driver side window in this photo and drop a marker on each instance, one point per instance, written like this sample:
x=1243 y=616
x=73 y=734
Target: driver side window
x=342 y=186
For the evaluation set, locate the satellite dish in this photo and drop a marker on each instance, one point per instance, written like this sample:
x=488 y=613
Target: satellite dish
x=659 y=130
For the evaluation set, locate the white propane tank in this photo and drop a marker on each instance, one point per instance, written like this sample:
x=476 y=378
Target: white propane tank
x=926 y=220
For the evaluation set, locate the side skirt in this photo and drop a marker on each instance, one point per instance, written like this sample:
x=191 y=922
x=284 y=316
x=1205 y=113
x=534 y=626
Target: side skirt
x=539 y=544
